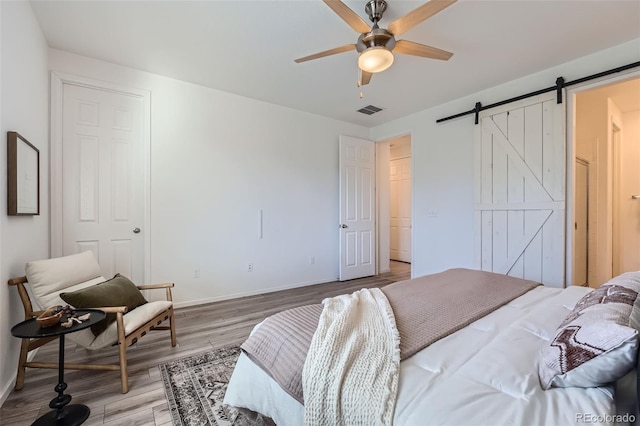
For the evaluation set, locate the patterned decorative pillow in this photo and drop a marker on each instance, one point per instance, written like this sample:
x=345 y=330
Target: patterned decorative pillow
x=597 y=343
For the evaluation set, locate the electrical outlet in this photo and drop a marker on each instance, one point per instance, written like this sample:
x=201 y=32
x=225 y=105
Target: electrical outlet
x=432 y=213
x=250 y=267
x=196 y=273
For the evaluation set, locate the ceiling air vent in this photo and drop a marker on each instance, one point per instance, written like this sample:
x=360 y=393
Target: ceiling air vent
x=369 y=109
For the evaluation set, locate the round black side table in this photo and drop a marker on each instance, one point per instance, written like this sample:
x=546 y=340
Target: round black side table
x=62 y=414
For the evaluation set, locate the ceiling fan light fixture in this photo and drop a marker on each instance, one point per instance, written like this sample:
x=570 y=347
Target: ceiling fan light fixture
x=375 y=59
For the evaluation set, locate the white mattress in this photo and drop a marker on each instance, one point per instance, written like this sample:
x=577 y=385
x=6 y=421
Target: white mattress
x=484 y=374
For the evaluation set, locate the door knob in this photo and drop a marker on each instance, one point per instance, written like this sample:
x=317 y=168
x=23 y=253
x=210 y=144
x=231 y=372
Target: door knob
x=136 y=230
x=635 y=197
x=343 y=226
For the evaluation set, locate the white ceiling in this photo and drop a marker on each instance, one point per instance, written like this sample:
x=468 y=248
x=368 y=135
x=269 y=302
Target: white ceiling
x=248 y=47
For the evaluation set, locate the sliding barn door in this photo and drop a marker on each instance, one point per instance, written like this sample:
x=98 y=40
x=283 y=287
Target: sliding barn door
x=520 y=190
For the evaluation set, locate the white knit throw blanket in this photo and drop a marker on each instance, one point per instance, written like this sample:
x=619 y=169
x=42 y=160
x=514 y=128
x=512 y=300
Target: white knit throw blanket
x=350 y=375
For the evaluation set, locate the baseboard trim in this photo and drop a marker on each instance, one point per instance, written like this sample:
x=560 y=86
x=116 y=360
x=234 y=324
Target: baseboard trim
x=6 y=391
x=187 y=304
x=8 y=387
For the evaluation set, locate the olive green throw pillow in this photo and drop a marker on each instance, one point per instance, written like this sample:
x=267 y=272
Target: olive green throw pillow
x=118 y=291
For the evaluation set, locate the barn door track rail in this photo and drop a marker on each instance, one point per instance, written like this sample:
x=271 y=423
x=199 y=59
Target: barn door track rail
x=559 y=86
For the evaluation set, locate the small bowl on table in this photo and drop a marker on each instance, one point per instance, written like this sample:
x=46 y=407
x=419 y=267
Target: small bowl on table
x=50 y=317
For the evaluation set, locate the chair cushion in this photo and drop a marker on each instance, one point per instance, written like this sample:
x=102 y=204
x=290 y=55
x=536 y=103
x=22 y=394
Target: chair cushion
x=49 y=277
x=118 y=291
x=132 y=321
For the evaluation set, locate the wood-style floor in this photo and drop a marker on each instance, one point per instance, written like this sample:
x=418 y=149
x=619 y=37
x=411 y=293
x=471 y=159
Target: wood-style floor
x=198 y=328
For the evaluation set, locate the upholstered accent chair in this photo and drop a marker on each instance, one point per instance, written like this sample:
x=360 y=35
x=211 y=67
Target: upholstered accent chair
x=48 y=279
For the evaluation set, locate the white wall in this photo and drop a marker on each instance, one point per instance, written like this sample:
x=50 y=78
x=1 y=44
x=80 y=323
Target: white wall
x=24 y=94
x=614 y=116
x=443 y=160
x=218 y=159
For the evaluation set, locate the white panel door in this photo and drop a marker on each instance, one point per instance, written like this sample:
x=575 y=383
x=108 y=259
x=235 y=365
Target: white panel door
x=400 y=209
x=103 y=178
x=520 y=190
x=357 y=208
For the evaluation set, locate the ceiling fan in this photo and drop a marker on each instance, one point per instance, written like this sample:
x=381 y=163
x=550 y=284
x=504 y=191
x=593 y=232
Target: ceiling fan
x=375 y=45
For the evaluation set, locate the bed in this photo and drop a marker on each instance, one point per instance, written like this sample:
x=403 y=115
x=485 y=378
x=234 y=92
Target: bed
x=489 y=371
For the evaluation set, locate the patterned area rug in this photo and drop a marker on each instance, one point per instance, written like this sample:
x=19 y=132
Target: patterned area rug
x=195 y=387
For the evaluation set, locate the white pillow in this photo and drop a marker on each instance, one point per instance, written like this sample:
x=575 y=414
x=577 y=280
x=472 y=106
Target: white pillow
x=597 y=343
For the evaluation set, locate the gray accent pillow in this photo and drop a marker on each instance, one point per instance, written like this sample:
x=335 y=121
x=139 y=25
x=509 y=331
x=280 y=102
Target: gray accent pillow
x=598 y=341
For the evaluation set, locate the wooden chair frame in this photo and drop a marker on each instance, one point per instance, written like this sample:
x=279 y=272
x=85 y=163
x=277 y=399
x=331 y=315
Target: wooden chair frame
x=123 y=342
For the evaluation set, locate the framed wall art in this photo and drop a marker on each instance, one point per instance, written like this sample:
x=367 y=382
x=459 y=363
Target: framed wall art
x=23 y=176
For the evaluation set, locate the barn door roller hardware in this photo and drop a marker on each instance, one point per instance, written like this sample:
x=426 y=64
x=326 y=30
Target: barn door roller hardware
x=560 y=85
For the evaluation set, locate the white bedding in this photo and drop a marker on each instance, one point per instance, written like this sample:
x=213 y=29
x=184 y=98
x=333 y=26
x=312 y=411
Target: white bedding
x=484 y=374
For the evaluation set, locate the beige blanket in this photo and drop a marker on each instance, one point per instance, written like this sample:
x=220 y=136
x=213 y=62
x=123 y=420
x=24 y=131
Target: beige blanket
x=426 y=309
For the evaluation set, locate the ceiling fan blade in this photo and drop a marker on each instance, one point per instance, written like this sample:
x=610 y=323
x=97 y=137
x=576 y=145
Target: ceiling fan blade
x=366 y=77
x=417 y=15
x=416 y=49
x=349 y=16
x=333 y=51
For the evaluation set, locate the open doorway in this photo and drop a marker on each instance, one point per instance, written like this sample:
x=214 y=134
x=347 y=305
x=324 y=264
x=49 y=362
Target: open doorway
x=394 y=185
x=400 y=199
x=606 y=180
